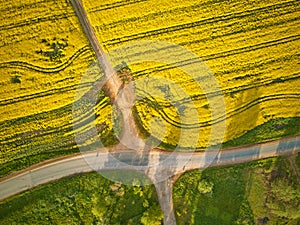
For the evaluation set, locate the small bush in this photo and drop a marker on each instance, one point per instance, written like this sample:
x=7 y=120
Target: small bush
x=16 y=79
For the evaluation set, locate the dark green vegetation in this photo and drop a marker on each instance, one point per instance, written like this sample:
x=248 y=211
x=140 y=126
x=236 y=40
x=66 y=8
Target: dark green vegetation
x=56 y=47
x=298 y=160
x=83 y=199
x=262 y=192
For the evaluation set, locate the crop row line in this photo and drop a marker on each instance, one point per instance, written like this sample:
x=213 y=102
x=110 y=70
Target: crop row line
x=79 y=122
x=154 y=15
x=115 y=5
x=229 y=91
x=44 y=93
x=24 y=6
x=256 y=84
x=241 y=30
x=232 y=52
x=26 y=65
x=25 y=137
x=211 y=20
x=257 y=65
x=35 y=20
x=153 y=104
x=61 y=147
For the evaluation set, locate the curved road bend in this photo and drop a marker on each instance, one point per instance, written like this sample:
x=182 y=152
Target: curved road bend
x=179 y=161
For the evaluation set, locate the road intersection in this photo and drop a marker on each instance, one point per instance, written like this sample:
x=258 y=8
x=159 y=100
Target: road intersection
x=159 y=165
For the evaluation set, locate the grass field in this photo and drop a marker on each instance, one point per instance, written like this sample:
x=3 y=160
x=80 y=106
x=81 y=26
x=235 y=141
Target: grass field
x=242 y=194
x=83 y=199
x=251 y=48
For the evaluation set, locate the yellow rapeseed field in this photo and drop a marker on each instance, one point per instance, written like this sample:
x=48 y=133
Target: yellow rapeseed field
x=44 y=54
x=251 y=47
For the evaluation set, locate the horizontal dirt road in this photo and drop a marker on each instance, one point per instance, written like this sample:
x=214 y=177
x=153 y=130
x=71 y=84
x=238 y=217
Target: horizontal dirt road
x=176 y=162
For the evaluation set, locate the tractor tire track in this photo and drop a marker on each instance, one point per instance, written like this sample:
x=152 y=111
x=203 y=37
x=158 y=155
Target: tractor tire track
x=24 y=6
x=258 y=83
x=44 y=93
x=242 y=30
x=25 y=65
x=212 y=20
x=153 y=104
x=86 y=119
x=228 y=91
x=36 y=20
x=114 y=5
x=218 y=55
x=176 y=11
